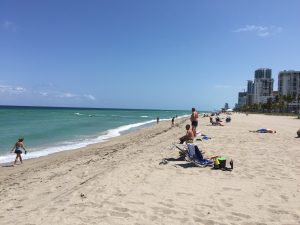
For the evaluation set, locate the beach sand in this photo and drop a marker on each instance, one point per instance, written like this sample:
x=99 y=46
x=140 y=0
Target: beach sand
x=123 y=181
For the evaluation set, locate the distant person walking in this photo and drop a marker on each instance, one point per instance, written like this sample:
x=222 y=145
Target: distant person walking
x=173 y=121
x=18 y=148
x=194 y=120
x=157 y=120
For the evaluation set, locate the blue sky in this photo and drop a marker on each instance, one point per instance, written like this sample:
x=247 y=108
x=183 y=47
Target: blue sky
x=142 y=54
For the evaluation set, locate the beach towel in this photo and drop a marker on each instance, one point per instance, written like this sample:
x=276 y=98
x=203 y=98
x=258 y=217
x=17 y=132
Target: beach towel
x=196 y=156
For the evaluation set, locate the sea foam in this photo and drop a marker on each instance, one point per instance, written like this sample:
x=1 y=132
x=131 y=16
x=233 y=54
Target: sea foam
x=66 y=146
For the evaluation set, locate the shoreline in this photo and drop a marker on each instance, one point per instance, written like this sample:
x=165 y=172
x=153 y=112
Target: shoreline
x=88 y=149
x=123 y=180
x=106 y=136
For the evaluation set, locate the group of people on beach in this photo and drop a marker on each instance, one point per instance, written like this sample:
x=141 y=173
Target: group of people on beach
x=191 y=128
x=191 y=133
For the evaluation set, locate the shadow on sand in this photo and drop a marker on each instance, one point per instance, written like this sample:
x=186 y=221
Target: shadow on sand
x=187 y=165
x=181 y=158
x=8 y=165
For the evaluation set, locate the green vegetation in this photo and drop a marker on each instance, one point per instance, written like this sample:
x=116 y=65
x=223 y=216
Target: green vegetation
x=280 y=105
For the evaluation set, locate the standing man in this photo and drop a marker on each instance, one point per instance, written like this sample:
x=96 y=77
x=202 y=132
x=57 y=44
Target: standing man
x=194 y=120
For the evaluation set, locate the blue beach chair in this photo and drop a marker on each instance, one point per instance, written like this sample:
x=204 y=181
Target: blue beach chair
x=195 y=156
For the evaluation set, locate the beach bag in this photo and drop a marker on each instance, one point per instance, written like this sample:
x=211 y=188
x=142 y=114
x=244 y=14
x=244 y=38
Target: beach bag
x=220 y=163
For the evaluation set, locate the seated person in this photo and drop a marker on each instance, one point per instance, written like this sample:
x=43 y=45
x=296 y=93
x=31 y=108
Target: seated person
x=263 y=130
x=228 y=119
x=217 y=123
x=218 y=120
x=189 y=136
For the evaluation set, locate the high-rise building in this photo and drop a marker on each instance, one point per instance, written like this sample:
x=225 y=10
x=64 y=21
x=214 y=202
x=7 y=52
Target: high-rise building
x=263 y=73
x=242 y=99
x=289 y=83
x=263 y=85
x=250 y=92
x=226 y=106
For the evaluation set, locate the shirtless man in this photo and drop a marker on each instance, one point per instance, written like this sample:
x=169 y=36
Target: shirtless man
x=189 y=136
x=194 y=120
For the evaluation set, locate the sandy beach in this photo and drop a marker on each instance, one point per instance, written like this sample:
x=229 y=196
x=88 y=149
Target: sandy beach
x=122 y=181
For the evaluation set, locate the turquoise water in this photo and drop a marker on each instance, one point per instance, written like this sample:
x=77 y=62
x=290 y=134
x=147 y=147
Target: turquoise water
x=48 y=130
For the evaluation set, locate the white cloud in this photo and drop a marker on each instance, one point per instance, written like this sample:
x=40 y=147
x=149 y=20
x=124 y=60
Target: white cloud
x=67 y=95
x=90 y=97
x=44 y=94
x=8 y=89
x=76 y=96
x=262 y=31
x=9 y=26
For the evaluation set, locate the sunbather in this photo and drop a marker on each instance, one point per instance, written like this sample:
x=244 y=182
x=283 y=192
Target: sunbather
x=188 y=137
x=217 y=123
x=263 y=130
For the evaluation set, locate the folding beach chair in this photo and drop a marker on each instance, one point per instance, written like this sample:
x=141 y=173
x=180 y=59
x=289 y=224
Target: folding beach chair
x=195 y=156
x=182 y=149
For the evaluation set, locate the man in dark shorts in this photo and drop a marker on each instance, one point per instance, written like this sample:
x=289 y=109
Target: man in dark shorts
x=194 y=120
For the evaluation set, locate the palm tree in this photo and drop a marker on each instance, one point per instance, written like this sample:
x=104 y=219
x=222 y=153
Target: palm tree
x=281 y=103
x=289 y=99
x=298 y=100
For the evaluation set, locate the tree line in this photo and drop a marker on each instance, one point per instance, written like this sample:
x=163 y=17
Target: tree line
x=280 y=103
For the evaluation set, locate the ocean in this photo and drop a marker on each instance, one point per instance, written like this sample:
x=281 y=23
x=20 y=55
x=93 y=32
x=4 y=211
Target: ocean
x=47 y=130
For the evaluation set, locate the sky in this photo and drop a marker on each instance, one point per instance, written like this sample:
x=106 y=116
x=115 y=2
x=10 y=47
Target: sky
x=158 y=54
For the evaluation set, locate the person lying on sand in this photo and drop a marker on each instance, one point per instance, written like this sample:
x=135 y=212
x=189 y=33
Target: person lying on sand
x=189 y=136
x=263 y=130
x=217 y=123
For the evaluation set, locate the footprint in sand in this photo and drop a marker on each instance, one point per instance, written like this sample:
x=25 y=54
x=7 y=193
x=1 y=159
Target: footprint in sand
x=231 y=189
x=166 y=204
x=184 y=194
x=233 y=218
x=206 y=222
x=245 y=216
x=136 y=203
x=150 y=194
x=119 y=209
x=119 y=214
x=226 y=203
x=164 y=211
x=284 y=197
